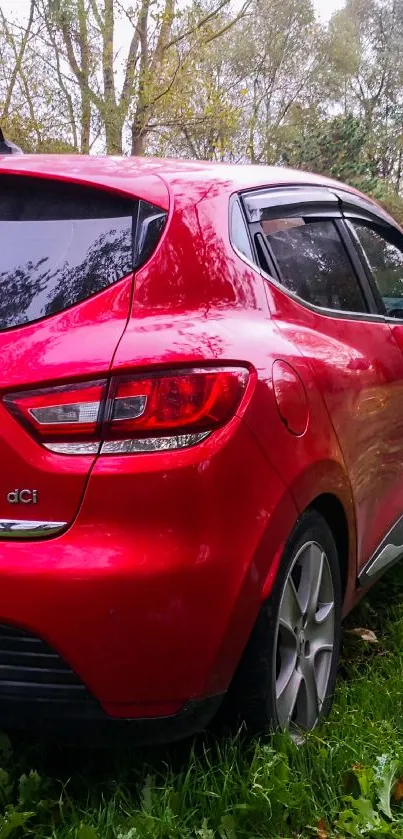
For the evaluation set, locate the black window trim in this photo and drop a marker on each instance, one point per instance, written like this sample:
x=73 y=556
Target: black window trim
x=290 y=201
x=235 y=199
x=304 y=206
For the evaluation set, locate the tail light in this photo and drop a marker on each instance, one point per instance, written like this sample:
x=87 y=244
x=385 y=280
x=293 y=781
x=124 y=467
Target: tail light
x=166 y=410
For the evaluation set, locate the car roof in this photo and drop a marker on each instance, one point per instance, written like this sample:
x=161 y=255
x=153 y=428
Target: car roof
x=151 y=178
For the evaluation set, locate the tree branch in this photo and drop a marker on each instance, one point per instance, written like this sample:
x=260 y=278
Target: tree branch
x=18 y=56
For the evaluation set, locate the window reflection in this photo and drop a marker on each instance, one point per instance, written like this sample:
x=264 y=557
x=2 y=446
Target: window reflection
x=58 y=248
x=386 y=262
x=313 y=263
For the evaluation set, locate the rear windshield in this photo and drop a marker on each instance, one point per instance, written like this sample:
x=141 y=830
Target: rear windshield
x=59 y=244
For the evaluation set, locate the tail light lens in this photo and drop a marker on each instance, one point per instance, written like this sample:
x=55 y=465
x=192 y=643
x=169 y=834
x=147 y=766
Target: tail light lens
x=61 y=413
x=165 y=410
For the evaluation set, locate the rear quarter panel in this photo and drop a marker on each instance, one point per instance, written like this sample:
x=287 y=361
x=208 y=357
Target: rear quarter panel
x=198 y=302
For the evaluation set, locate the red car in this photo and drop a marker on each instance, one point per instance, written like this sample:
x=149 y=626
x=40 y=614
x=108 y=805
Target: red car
x=201 y=438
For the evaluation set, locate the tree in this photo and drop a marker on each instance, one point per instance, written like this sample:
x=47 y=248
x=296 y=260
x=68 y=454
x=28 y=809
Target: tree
x=335 y=147
x=32 y=100
x=365 y=49
x=276 y=57
x=162 y=41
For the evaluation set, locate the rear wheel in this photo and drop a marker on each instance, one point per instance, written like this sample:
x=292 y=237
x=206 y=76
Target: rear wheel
x=287 y=675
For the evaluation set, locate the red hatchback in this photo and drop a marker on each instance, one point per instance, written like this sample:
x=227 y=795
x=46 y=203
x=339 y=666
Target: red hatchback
x=201 y=438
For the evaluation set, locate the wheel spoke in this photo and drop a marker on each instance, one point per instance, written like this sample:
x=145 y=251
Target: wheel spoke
x=322 y=659
x=309 y=701
x=287 y=698
x=290 y=609
x=320 y=647
x=286 y=657
x=320 y=630
x=314 y=572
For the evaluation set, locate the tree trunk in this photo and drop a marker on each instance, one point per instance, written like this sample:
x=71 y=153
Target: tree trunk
x=139 y=136
x=113 y=131
x=85 y=99
x=85 y=123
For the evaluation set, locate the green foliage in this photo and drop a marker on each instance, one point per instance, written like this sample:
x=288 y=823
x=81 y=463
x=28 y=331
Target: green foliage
x=263 y=82
x=391 y=202
x=335 y=147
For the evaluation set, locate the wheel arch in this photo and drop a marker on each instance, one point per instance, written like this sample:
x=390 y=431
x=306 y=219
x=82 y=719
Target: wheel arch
x=331 y=509
x=325 y=487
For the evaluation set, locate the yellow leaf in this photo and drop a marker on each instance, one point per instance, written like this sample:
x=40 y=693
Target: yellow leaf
x=398 y=790
x=321 y=829
x=364 y=634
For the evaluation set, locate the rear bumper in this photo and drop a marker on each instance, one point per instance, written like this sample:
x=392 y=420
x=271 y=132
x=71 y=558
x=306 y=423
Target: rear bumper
x=39 y=691
x=95 y=727
x=151 y=594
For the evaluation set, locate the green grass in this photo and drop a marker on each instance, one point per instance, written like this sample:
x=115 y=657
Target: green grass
x=340 y=783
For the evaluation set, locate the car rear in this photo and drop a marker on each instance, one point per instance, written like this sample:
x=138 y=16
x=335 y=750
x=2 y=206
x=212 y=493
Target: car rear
x=133 y=497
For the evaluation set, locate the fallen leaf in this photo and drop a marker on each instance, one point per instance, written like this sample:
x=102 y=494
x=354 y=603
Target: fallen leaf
x=364 y=634
x=322 y=831
x=398 y=790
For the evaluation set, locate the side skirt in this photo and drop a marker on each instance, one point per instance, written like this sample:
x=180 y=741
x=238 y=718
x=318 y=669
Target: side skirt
x=387 y=554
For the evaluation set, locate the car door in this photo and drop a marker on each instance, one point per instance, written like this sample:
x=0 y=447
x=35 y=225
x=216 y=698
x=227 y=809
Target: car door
x=321 y=297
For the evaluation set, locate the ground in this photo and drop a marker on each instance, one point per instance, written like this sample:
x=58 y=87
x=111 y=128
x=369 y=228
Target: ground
x=347 y=780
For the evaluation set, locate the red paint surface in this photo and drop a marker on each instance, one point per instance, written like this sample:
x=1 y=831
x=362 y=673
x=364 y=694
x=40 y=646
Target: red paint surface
x=151 y=593
x=291 y=398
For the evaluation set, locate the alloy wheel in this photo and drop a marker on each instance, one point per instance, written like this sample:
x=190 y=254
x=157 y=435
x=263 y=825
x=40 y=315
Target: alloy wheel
x=304 y=640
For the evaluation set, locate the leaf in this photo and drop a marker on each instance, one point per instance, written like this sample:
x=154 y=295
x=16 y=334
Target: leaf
x=385 y=777
x=204 y=831
x=364 y=775
x=359 y=819
x=6 y=788
x=147 y=794
x=227 y=827
x=322 y=830
x=29 y=788
x=131 y=833
x=13 y=821
x=364 y=634
x=398 y=790
x=85 y=831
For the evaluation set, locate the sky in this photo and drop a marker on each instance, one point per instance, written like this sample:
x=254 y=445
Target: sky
x=325 y=8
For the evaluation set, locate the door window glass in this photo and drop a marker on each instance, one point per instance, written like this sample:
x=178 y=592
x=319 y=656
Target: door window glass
x=314 y=263
x=385 y=260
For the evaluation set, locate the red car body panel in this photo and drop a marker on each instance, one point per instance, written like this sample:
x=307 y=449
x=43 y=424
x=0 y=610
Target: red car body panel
x=76 y=343
x=358 y=369
x=152 y=591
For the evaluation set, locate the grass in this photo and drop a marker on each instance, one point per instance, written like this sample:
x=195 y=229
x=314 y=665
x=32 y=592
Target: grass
x=347 y=780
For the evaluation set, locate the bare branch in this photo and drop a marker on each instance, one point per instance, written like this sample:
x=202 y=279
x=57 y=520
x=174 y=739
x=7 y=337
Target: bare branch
x=18 y=56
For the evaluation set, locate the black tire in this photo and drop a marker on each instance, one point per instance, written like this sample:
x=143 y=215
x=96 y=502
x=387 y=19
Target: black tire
x=253 y=691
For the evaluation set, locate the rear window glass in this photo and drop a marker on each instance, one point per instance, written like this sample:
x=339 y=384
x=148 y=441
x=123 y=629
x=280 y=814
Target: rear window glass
x=59 y=244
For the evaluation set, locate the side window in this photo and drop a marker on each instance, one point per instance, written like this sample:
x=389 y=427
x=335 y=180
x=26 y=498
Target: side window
x=238 y=232
x=385 y=260
x=313 y=262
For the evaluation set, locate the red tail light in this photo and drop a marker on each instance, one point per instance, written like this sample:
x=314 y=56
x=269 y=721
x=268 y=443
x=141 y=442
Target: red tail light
x=163 y=410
